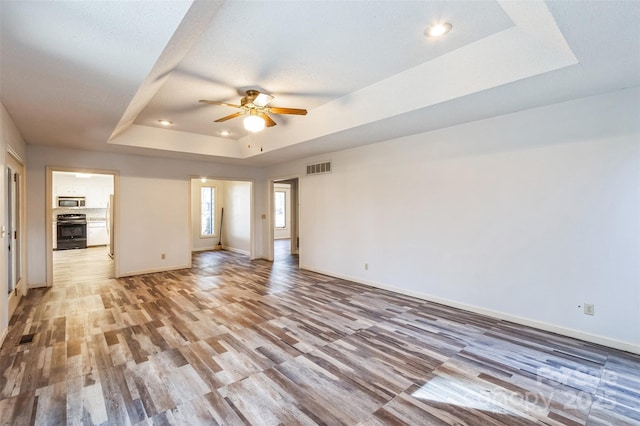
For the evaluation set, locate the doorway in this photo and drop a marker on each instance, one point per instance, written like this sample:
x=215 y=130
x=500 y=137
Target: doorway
x=81 y=225
x=13 y=228
x=285 y=213
x=221 y=212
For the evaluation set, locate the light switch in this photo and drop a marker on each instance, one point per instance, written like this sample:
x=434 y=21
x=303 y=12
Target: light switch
x=3 y=231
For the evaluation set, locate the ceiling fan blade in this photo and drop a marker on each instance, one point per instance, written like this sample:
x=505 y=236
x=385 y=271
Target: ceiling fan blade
x=228 y=117
x=268 y=121
x=204 y=101
x=296 y=111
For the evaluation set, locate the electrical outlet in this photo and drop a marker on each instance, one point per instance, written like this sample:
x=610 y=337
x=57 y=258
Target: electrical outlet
x=589 y=309
x=163 y=256
x=366 y=266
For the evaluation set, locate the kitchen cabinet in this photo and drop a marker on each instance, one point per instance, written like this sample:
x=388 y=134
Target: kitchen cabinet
x=98 y=193
x=71 y=189
x=95 y=189
x=97 y=233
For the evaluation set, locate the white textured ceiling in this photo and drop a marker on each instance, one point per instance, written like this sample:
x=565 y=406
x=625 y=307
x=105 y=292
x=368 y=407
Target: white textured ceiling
x=99 y=75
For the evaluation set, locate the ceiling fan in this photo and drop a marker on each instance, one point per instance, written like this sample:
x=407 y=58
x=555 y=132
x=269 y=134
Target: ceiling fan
x=255 y=104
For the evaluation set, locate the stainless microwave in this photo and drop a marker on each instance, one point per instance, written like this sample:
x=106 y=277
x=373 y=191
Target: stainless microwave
x=72 y=201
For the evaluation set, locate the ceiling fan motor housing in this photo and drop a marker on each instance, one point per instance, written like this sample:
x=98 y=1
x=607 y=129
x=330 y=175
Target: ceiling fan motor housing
x=249 y=98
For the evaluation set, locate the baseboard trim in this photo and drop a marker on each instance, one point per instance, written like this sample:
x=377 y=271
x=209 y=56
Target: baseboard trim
x=227 y=248
x=569 y=332
x=236 y=250
x=37 y=285
x=152 y=271
x=216 y=247
x=3 y=335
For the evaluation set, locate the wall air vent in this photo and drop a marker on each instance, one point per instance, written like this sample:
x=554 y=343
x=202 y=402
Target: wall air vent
x=318 y=168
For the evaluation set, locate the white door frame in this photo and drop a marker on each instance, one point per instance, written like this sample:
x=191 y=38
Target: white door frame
x=49 y=213
x=294 y=180
x=17 y=266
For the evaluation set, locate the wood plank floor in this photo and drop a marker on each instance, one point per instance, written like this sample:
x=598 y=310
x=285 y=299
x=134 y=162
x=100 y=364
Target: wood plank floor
x=90 y=264
x=233 y=341
x=282 y=251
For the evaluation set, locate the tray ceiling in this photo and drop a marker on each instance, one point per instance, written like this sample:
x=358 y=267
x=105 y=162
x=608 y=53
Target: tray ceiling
x=99 y=75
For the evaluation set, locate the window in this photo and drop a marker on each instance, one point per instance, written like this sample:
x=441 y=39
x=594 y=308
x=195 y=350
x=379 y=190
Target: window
x=207 y=210
x=280 y=202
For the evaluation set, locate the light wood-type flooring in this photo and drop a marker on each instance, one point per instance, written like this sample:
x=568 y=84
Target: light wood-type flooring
x=282 y=251
x=232 y=341
x=91 y=264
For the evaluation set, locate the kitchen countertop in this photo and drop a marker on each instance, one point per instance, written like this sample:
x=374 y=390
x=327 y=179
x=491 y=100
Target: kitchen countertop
x=93 y=214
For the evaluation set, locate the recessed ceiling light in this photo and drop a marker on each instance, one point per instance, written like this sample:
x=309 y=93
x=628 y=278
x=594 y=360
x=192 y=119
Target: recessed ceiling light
x=437 y=30
x=165 y=122
x=225 y=133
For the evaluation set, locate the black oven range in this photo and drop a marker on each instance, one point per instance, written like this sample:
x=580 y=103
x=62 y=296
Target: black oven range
x=72 y=231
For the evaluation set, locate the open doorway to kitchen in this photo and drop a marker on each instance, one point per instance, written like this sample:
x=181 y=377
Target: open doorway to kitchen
x=81 y=226
x=221 y=212
x=285 y=213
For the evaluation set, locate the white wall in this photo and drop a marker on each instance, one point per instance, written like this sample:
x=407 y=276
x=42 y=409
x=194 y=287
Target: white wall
x=524 y=216
x=280 y=233
x=262 y=199
x=10 y=140
x=236 y=232
x=153 y=209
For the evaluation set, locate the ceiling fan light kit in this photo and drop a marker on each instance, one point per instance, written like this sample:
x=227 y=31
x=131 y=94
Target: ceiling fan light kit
x=255 y=103
x=254 y=123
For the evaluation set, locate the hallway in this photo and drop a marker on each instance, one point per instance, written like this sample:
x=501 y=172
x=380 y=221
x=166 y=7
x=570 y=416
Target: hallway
x=282 y=252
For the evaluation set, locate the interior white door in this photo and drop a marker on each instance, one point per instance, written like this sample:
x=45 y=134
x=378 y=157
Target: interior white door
x=14 y=233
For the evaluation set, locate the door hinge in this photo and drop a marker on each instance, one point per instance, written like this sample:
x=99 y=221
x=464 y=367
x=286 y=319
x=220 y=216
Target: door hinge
x=15 y=177
x=15 y=235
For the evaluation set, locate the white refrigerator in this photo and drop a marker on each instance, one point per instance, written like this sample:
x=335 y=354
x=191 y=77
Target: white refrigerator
x=110 y=224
